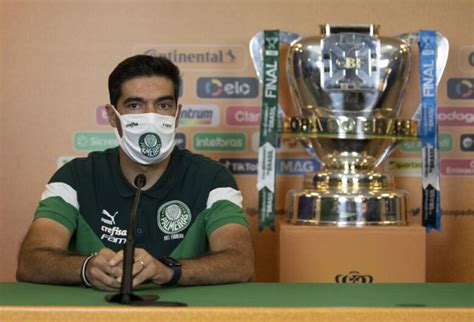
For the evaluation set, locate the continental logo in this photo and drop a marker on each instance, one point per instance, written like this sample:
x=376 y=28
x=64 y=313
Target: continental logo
x=445 y=142
x=457 y=167
x=354 y=277
x=219 y=141
x=199 y=116
x=227 y=87
x=200 y=57
x=243 y=115
x=461 y=88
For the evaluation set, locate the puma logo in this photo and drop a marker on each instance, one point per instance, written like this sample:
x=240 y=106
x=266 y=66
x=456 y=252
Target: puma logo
x=112 y=217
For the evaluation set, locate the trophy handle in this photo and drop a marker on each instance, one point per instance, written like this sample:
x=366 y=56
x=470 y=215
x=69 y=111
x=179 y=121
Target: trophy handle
x=256 y=53
x=442 y=50
x=441 y=57
x=256 y=48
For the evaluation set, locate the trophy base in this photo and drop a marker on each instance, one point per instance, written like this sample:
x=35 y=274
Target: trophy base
x=360 y=208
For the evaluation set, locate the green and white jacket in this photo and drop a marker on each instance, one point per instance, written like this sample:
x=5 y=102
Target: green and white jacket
x=92 y=198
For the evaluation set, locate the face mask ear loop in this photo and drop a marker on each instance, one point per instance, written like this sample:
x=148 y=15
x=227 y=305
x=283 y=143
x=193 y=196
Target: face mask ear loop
x=117 y=114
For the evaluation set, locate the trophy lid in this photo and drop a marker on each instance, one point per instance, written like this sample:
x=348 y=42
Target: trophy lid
x=371 y=29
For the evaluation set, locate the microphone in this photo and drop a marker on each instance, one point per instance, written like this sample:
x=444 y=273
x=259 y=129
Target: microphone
x=126 y=295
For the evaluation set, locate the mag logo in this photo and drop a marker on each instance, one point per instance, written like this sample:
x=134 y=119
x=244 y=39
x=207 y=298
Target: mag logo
x=461 y=88
x=296 y=166
x=199 y=116
x=456 y=116
x=227 y=87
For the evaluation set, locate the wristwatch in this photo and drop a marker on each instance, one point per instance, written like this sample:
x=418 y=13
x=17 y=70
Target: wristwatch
x=175 y=266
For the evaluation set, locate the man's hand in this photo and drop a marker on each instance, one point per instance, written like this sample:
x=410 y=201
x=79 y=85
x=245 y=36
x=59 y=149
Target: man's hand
x=145 y=268
x=101 y=274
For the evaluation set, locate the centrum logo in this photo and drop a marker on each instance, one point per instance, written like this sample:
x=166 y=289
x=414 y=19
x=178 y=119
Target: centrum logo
x=461 y=88
x=227 y=87
x=199 y=57
x=219 y=141
x=457 y=167
x=199 y=116
x=455 y=116
x=94 y=141
x=354 y=277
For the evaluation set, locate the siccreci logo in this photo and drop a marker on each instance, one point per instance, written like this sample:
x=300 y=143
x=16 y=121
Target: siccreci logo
x=354 y=277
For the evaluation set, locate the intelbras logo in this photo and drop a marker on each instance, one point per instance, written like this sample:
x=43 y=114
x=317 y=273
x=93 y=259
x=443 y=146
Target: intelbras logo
x=219 y=141
x=199 y=57
x=455 y=116
x=461 y=88
x=199 y=115
x=227 y=87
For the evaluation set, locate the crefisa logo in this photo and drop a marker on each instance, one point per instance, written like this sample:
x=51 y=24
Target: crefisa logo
x=354 y=277
x=461 y=88
x=227 y=87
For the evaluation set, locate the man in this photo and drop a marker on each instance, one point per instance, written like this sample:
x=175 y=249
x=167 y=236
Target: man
x=190 y=208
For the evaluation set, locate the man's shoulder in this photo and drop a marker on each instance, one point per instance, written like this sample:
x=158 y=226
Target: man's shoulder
x=198 y=162
x=94 y=163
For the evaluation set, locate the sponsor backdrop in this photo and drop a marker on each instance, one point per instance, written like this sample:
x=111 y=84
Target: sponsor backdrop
x=55 y=57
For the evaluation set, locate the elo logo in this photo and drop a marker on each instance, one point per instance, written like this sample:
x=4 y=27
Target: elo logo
x=227 y=87
x=461 y=88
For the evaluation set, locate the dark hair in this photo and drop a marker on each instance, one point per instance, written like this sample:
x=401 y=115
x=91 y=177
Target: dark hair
x=142 y=65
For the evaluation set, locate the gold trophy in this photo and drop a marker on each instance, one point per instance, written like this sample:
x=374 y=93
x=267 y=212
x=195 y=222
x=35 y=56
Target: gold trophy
x=347 y=86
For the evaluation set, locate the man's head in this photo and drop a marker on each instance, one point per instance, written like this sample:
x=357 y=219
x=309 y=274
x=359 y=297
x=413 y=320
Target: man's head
x=142 y=66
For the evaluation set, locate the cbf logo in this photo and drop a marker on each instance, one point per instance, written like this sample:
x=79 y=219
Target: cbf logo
x=150 y=144
x=173 y=217
x=354 y=277
x=227 y=87
x=461 y=88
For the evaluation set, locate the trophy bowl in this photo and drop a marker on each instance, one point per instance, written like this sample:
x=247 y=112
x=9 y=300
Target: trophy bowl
x=347 y=86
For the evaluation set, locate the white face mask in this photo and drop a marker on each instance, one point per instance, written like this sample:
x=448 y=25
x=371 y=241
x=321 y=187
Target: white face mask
x=147 y=138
